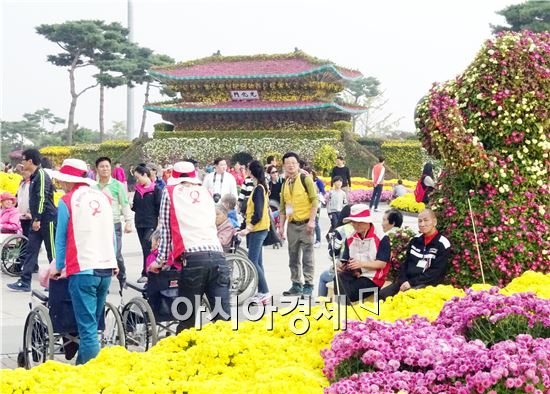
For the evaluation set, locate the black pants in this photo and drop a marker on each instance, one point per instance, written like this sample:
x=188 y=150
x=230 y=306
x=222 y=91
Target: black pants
x=45 y=234
x=204 y=273
x=26 y=227
x=350 y=286
x=144 y=234
x=393 y=289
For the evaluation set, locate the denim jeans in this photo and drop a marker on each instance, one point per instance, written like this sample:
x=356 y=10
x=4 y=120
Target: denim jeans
x=326 y=277
x=317 y=229
x=88 y=294
x=376 y=193
x=255 y=243
x=204 y=273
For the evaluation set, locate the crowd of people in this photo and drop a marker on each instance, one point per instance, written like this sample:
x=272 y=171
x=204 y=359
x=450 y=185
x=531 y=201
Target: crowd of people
x=186 y=218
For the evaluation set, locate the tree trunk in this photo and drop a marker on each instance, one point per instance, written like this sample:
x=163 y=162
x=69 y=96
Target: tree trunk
x=101 y=109
x=74 y=98
x=144 y=116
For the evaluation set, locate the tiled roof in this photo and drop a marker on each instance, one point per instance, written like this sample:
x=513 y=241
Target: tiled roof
x=249 y=68
x=253 y=106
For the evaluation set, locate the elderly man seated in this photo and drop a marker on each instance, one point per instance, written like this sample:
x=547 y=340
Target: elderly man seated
x=364 y=263
x=427 y=258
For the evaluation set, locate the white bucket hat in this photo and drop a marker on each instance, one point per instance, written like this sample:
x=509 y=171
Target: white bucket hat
x=359 y=213
x=72 y=170
x=183 y=171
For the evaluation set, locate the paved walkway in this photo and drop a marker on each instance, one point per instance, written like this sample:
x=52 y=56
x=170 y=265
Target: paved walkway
x=15 y=306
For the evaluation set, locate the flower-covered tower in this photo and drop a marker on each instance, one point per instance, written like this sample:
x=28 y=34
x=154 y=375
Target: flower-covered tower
x=255 y=92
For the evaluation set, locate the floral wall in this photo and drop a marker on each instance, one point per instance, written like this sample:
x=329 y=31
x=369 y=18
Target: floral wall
x=490 y=127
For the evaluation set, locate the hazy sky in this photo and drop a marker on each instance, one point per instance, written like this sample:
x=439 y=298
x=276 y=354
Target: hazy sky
x=406 y=44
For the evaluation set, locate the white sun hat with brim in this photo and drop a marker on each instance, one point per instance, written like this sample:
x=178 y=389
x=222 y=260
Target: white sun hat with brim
x=183 y=171
x=359 y=213
x=73 y=171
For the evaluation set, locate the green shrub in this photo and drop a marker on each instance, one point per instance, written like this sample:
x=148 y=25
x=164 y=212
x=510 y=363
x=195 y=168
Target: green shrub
x=405 y=158
x=325 y=159
x=87 y=152
x=205 y=149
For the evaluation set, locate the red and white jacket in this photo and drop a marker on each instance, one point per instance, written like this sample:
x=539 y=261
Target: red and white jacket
x=192 y=221
x=89 y=231
x=374 y=246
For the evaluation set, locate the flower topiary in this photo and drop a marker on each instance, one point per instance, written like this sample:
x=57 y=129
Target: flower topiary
x=491 y=129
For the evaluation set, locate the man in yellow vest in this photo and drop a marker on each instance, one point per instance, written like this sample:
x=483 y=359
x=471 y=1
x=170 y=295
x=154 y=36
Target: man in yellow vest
x=298 y=205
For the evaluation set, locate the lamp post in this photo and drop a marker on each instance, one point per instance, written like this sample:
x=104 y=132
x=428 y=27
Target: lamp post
x=129 y=90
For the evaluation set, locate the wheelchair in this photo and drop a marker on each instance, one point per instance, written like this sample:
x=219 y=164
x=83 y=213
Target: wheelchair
x=11 y=248
x=50 y=328
x=148 y=317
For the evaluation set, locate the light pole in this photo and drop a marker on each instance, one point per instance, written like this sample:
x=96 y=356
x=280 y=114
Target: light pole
x=129 y=90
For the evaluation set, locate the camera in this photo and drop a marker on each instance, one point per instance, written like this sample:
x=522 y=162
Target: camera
x=216 y=197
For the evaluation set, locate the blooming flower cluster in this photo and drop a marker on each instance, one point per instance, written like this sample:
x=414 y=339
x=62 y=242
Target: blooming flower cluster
x=416 y=355
x=9 y=182
x=357 y=196
x=250 y=360
x=407 y=203
x=490 y=129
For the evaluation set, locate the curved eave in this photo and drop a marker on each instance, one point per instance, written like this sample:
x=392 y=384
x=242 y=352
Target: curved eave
x=328 y=67
x=338 y=107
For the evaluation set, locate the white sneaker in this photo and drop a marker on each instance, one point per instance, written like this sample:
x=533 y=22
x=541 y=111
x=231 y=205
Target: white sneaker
x=143 y=279
x=317 y=245
x=261 y=298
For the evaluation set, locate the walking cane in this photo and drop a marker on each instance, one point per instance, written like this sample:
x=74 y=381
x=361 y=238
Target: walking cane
x=475 y=238
x=331 y=236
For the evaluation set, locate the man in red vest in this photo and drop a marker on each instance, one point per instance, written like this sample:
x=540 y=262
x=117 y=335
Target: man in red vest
x=188 y=232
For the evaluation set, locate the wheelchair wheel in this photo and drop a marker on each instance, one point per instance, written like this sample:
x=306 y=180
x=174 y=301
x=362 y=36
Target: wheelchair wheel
x=139 y=324
x=11 y=250
x=241 y=252
x=244 y=278
x=38 y=337
x=113 y=334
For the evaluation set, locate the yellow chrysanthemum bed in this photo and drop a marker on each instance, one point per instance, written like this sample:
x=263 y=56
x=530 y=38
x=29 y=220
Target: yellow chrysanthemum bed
x=219 y=360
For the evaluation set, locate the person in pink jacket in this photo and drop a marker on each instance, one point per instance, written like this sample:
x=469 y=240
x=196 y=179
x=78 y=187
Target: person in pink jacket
x=9 y=215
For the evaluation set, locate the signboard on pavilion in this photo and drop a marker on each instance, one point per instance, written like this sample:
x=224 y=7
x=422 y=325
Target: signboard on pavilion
x=244 y=95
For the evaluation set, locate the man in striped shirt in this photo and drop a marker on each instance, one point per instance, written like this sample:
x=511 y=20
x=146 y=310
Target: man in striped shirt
x=188 y=233
x=44 y=217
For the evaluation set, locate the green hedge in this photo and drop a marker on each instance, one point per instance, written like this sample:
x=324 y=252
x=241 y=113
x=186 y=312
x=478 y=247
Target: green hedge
x=167 y=150
x=251 y=134
x=87 y=152
x=406 y=158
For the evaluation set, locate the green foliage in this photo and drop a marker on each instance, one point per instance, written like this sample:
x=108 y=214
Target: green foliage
x=295 y=134
x=405 y=158
x=533 y=15
x=342 y=125
x=325 y=159
x=350 y=366
x=504 y=329
x=205 y=149
x=163 y=126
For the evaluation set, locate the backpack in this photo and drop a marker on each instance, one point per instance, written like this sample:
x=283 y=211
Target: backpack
x=420 y=190
x=302 y=180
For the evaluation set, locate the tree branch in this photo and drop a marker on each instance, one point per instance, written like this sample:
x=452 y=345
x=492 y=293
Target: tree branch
x=62 y=47
x=88 y=88
x=83 y=65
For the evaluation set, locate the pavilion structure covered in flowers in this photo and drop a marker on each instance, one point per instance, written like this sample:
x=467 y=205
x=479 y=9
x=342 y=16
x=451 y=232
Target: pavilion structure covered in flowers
x=293 y=91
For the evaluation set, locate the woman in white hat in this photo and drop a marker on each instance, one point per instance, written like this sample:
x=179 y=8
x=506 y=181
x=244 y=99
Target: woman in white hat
x=364 y=263
x=85 y=248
